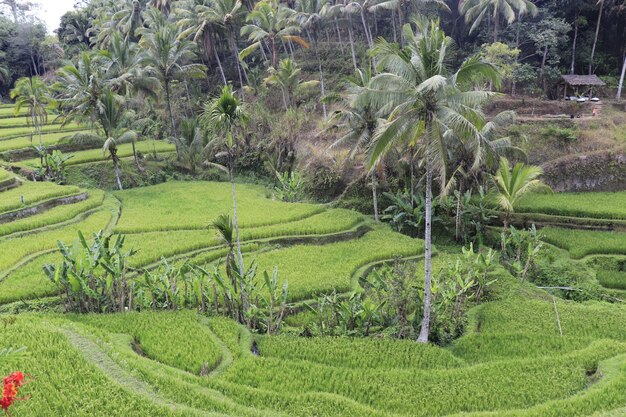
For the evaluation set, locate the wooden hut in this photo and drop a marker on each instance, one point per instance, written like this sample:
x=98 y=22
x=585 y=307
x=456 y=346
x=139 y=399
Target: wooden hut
x=579 y=85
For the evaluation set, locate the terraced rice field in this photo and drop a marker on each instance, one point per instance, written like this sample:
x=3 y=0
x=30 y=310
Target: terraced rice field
x=17 y=138
x=149 y=364
x=525 y=354
x=512 y=361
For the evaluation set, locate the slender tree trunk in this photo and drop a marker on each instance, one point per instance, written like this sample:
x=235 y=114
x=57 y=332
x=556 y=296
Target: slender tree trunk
x=116 y=168
x=595 y=38
x=135 y=156
x=393 y=25
x=239 y=66
x=425 y=330
x=231 y=175
x=274 y=54
x=571 y=67
x=339 y=35
x=169 y=106
x=351 y=38
x=401 y=21
x=543 y=67
x=375 y=193
x=38 y=132
x=319 y=66
x=412 y=177
x=459 y=206
x=368 y=36
x=496 y=26
x=621 y=81
x=219 y=65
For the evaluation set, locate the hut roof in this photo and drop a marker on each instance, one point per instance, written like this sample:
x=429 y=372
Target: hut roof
x=575 y=80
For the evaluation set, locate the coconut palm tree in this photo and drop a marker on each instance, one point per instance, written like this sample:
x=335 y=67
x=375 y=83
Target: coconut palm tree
x=312 y=15
x=34 y=94
x=476 y=10
x=225 y=115
x=111 y=120
x=513 y=184
x=4 y=70
x=271 y=22
x=191 y=144
x=196 y=24
x=426 y=101
x=226 y=15
x=401 y=6
x=470 y=158
x=164 y=6
x=123 y=17
x=123 y=71
x=340 y=10
x=595 y=38
x=78 y=89
x=287 y=77
x=359 y=121
x=168 y=57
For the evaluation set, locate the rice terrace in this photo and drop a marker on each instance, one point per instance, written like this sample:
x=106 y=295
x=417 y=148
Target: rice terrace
x=312 y=208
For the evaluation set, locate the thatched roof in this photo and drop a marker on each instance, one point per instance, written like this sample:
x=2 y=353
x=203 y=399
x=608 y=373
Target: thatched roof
x=575 y=80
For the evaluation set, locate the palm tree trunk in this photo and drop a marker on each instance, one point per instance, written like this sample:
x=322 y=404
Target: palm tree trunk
x=621 y=81
x=458 y=213
x=412 y=177
x=375 y=194
x=351 y=38
x=425 y=330
x=496 y=26
x=116 y=168
x=219 y=65
x=319 y=66
x=339 y=35
x=571 y=67
x=543 y=67
x=239 y=66
x=274 y=54
x=169 y=106
x=235 y=219
x=38 y=132
x=368 y=36
x=595 y=38
x=135 y=156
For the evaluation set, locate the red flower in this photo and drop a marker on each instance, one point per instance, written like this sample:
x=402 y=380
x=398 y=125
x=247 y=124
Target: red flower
x=10 y=388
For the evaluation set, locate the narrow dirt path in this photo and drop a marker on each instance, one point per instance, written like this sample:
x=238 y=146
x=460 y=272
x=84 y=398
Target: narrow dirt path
x=94 y=354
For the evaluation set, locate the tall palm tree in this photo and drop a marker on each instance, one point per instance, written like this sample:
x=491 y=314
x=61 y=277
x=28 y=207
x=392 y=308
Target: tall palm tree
x=123 y=71
x=112 y=120
x=191 y=145
x=225 y=116
x=401 y=6
x=32 y=93
x=512 y=184
x=201 y=27
x=168 y=58
x=312 y=15
x=470 y=158
x=271 y=22
x=595 y=38
x=425 y=100
x=125 y=17
x=227 y=16
x=287 y=77
x=476 y=10
x=164 y=6
x=4 y=70
x=78 y=89
x=340 y=10
x=359 y=121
